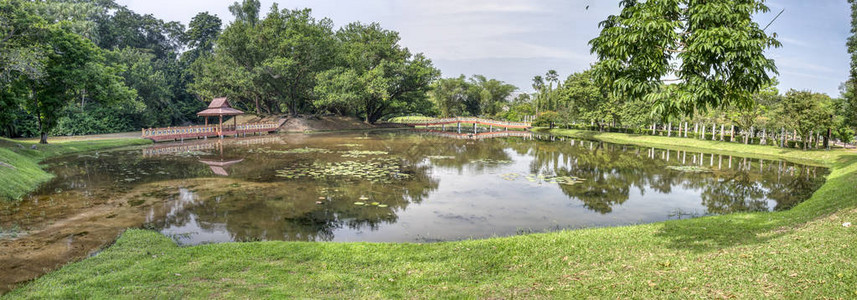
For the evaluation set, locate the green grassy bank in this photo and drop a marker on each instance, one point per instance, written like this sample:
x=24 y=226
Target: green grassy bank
x=20 y=172
x=805 y=252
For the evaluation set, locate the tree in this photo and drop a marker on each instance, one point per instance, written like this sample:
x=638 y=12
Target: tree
x=202 y=32
x=551 y=77
x=74 y=69
x=547 y=118
x=247 y=11
x=806 y=112
x=22 y=56
x=377 y=76
x=713 y=48
x=493 y=94
x=748 y=117
x=538 y=86
x=849 y=89
x=448 y=95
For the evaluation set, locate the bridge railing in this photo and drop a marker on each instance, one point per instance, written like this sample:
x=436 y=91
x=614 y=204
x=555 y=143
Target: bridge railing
x=206 y=130
x=424 y=121
x=185 y=130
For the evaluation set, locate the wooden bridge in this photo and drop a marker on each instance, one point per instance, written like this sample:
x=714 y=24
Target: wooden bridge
x=205 y=131
x=442 y=122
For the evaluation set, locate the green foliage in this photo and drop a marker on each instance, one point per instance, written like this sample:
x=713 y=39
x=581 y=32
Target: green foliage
x=449 y=95
x=375 y=77
x=270 y=64
x=74 y=69
x=202 y=32
x=478 y=96
x=714 y=48
x=547 y=118
x=806 y=112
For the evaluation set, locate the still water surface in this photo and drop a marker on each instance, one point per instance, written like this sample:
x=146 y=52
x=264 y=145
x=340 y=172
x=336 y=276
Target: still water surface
x=402 y=186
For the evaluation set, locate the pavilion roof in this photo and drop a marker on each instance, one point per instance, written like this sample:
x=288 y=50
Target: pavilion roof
x=219 y=107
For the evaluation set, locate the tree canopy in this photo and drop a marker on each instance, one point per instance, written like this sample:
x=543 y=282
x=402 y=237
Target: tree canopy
x=712 y=51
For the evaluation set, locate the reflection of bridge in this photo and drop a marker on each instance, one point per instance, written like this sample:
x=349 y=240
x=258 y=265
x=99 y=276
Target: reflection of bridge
x=205 y=131
x=475 y=121
x=478 y=136
x=173 y=148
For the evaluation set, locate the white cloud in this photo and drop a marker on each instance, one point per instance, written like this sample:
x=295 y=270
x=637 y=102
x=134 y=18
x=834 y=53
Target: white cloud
x=512 y=40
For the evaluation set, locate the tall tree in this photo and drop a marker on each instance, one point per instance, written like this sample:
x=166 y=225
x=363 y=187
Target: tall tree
x=849 y=90
x=493 y=94
x=713 y=48
x=539 y=86
x=246 y=12
x=376 y=76
x=202 y=32
x=448 y=95
x=74 y=69
x=551 y=77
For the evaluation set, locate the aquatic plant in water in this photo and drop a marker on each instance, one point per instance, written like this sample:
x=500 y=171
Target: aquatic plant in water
x=381 y=170
x=358 y=153
x=291 y=151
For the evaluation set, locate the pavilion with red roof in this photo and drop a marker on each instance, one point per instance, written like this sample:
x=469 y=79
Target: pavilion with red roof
x=220 y=107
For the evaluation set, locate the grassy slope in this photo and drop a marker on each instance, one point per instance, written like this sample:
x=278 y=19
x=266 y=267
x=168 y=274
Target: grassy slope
x=801 y=253
x=27 y=174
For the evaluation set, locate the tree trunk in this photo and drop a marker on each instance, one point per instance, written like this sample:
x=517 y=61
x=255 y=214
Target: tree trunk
x=44 y=137
x=258 y=109
x=732 y=133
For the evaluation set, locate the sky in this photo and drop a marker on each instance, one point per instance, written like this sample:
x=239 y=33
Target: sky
x=515 y=40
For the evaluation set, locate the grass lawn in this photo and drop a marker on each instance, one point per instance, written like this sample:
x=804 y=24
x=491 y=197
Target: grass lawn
x=20 y=172
x=805 y=252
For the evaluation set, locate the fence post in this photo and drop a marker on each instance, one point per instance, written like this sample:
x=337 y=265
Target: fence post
x=721 y=132
x=713 y=132
x=669 y=129
x=703 y=132
x=732 y=133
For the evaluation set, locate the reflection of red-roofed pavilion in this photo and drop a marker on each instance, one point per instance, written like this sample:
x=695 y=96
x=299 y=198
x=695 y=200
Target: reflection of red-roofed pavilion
x=218 y=166
x=220 y=107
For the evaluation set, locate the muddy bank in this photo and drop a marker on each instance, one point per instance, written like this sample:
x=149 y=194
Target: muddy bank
x=51 y=232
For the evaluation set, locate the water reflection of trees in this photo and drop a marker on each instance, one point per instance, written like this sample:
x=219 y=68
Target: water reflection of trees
x=611 y=171
x=291 y=210
x=271 y=208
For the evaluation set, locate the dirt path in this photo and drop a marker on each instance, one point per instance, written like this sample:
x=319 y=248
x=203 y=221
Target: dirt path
x=106 y=136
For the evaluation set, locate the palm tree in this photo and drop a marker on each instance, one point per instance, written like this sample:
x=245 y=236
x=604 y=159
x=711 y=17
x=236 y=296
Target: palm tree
x=551 y=76
x=539 y=86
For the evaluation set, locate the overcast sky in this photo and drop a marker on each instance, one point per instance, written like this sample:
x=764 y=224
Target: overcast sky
x=514 y=40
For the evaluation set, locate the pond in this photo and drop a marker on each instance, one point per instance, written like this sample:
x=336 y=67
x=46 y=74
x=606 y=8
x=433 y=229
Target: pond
x=383 y=186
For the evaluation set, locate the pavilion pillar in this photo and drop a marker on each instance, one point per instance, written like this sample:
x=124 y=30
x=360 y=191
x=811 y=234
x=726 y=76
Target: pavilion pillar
x=220 y=127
